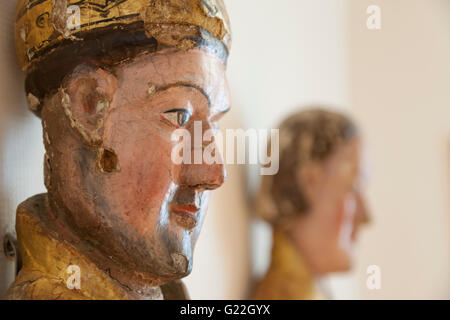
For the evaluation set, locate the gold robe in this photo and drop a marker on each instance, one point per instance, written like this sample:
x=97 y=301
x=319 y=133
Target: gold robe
x=46 y=259
x=288 y=277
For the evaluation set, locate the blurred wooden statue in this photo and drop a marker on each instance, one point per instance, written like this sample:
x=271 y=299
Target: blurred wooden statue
x=111 y=81
x=314 y=204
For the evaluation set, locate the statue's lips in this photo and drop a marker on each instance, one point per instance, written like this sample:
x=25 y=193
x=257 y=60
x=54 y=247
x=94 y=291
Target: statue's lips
x=185 y=215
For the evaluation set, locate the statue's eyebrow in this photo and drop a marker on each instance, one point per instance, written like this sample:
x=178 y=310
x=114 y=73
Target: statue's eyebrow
x=202 y=91
x=188 y=85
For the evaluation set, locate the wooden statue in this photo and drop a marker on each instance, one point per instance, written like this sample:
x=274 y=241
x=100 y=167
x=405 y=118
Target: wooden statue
x=314 y=203
x=111 y=81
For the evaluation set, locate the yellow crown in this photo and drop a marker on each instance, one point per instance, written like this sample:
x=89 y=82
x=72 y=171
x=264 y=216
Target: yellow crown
x=42 y=25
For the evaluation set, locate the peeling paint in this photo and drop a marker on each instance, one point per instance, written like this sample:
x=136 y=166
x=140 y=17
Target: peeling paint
x=59 y=17
x=33 y=102
x=107 y=161
x=151 y=90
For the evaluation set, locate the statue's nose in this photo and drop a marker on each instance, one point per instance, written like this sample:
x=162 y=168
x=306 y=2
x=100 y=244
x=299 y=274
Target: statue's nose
x=202 y=176
x=202 y=172
x=363 y=212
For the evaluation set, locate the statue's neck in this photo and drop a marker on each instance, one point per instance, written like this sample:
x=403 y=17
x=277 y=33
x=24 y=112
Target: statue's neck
x=48 y=245
x=287 y=259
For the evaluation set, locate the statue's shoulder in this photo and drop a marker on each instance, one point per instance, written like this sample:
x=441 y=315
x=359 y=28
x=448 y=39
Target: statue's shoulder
x=34 y=221
x=33 y=206
x=32 y=283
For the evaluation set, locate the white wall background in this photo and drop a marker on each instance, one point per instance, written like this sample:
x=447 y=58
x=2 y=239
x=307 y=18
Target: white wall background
x=400 y=81
x=21 y=147
x=289 y=53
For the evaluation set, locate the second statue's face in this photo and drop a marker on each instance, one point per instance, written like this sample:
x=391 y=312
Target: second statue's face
x=338 y=210
x=110 y=166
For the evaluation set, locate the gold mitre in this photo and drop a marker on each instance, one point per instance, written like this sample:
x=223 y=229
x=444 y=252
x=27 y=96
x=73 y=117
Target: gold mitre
x=44 y=26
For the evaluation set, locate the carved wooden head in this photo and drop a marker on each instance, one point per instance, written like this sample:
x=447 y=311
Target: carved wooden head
x=110 y=96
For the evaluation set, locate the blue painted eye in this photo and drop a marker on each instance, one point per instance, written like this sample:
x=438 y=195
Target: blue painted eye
x=176 y=117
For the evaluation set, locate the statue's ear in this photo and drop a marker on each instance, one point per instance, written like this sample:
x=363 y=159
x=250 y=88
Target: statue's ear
x=89 y=92
x=310 y=178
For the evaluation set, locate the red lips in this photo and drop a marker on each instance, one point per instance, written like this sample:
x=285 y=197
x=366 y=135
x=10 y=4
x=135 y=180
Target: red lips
x=185 y=215
x=185 y=208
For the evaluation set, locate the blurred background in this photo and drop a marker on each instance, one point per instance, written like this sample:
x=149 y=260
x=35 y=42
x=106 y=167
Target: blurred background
x=394 y=81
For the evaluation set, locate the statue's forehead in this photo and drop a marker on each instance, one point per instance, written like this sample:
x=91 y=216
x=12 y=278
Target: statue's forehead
x=166 y=67
x=194 y=67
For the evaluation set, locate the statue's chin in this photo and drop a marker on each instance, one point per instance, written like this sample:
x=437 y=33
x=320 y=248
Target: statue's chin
x=177 y=266
x=182 y=264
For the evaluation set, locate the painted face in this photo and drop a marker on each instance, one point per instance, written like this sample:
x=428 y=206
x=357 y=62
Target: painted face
x=123 y=190
x=339 y=207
